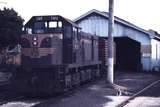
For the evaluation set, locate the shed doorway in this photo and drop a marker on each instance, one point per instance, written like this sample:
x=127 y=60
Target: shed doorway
x=128 y=55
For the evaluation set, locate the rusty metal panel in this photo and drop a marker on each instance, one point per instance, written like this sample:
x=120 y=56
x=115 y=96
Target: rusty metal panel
x=146 y=49
x=95 y=48
x=103 y=50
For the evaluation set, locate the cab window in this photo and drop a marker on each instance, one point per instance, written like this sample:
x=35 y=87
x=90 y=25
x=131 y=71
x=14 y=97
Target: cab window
x=52 y=24
x=39 y=27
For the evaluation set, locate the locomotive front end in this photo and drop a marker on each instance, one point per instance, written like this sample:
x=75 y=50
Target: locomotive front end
x=41 y=55
x=42 y=43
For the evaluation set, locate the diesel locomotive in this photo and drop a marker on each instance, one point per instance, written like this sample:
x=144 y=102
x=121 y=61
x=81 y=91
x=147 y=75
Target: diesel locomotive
x=56 y=56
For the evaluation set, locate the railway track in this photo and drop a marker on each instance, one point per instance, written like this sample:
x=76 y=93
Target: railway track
x=141 y=92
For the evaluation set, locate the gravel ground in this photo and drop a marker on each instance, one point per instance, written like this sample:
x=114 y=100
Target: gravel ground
x=26 y=102
x=134 y=81
x=150 y=97
x=18 y=104
x=97 y=94
x=144 y=102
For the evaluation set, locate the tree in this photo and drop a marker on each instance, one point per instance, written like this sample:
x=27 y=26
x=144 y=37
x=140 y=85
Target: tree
x=10 y=31
x=10 y=28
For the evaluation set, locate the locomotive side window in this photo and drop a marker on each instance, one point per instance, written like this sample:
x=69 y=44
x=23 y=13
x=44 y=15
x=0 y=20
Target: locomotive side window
x=52 y=24
x=46 y=43
x=75 y=32
x=25 y=43
x=29 y=30
x=67 y=31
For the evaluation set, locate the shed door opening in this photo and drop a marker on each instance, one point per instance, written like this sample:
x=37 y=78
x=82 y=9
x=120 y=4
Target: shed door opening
x=128 y=56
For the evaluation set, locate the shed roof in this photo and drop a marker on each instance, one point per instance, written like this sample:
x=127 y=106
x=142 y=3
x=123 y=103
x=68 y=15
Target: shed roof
x=117 y=19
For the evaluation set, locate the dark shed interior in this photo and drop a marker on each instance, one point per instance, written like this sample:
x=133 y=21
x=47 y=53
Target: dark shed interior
x=128 y=56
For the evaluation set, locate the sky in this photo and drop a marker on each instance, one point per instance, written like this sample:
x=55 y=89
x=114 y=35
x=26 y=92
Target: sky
x=142 y=13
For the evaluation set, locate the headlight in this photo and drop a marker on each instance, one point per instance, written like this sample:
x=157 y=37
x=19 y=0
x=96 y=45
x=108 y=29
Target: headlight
x=34 y=38
x=35 y=43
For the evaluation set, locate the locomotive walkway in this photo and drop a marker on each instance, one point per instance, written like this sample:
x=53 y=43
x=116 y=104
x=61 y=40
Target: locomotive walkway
x=100 y=94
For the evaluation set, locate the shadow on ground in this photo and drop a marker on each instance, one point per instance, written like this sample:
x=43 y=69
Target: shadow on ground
x=90 y=96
